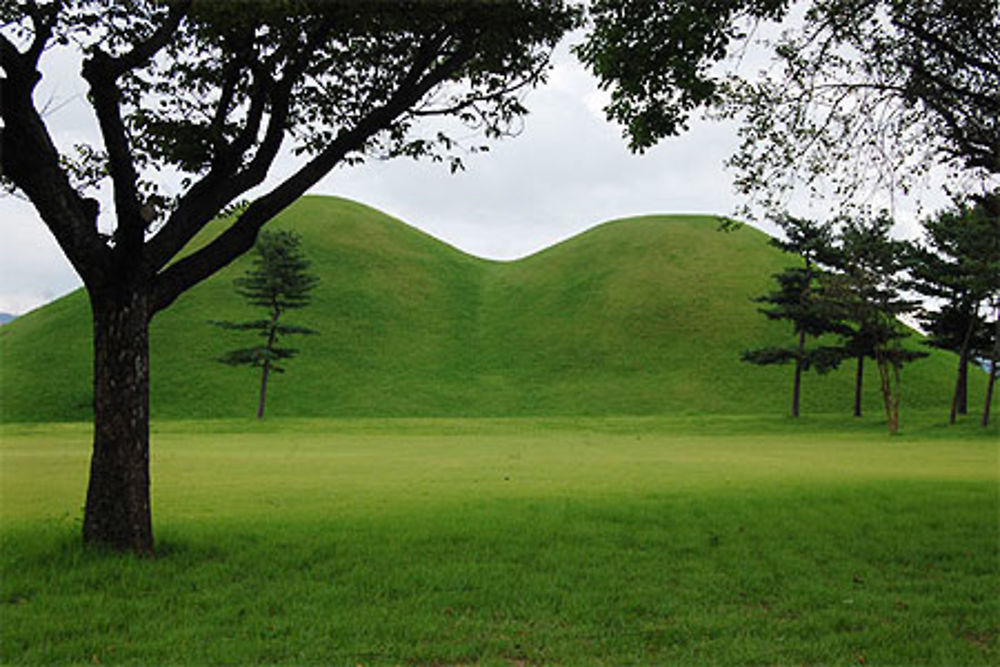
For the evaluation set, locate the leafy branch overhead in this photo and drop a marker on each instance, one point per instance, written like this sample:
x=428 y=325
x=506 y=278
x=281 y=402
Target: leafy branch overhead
x=208 y=94
x=212 y=91
x=860 y=98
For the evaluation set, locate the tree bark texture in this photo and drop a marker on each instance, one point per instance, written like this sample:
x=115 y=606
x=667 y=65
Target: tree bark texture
x=890 y=381
x=859 y=378
x=117 y=513
x=989 y=393
x=959 y=403
x=263 y=389
x=797 y=381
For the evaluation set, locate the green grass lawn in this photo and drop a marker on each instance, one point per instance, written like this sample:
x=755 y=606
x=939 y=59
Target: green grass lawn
x=632 y=540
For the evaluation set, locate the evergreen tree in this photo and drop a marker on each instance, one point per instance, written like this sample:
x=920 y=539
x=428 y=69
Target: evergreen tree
x=799 y=300
x=958 y=266
x=866 y=290
x=278 y=281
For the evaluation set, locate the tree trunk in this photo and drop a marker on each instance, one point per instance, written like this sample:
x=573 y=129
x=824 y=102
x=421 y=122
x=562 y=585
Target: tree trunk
x=958 y=399
x=117 y=513
x=963 y=386
x=890 y=395
x=263 y=388
x=858 y=382
x=994 y=356
x=272 y=338
x=989 y=392
x=797 y=382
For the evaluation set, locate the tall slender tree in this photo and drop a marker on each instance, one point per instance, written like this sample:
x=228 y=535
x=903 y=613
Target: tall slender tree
x=278 y=281
x=799 y=300
x=866 y=289
x=207 y=94
x=957 y=265
x=994 y=358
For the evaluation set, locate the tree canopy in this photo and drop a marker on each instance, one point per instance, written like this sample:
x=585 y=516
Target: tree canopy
x=213 y=91
x=861 y=97
x=209 y=93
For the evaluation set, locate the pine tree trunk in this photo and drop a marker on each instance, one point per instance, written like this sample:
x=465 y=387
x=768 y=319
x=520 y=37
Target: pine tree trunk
x=993 y=369
x=263 y=388
x=989 y=392
x=858 y=382
x=117 y=512
x=272 y=338
x=797 y=382
x=888 y=399
x=963 y=386
x=958 y=399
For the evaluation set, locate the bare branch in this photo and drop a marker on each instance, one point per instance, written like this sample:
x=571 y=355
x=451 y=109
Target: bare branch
x=28 y=157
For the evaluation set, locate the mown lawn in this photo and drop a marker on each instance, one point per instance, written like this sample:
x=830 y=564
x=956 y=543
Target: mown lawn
x=515 y=541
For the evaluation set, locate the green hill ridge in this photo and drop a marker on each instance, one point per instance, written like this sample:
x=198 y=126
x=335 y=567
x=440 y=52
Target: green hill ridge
x=640 y=316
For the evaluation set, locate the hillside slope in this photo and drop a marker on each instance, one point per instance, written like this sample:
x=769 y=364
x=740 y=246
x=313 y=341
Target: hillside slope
x=639 y=316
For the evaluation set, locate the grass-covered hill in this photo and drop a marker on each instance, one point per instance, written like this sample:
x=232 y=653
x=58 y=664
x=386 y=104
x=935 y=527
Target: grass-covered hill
x=639 y=316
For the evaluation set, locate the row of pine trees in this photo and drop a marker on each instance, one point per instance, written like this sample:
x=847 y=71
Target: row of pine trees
x=847 y=299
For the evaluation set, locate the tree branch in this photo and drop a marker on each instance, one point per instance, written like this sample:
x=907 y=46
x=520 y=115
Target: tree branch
x=223 y=183
x=29 y=158
x=105 y=97
x=102 y=71
x=940 y=44
x=44 y=22
x=143 y=51
x=240 y=236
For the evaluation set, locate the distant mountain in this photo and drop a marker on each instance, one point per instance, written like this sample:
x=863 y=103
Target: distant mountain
x=7 y=317
x=634 y=317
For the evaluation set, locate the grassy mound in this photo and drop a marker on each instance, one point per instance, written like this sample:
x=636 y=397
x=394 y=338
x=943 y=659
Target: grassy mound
x=639 y=316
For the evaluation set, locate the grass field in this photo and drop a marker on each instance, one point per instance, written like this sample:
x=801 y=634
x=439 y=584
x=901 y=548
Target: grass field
x=615 y=541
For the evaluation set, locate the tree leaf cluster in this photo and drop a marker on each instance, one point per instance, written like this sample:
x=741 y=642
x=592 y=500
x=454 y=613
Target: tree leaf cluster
x=277 y=281
x=657 y=58
x=861 y=97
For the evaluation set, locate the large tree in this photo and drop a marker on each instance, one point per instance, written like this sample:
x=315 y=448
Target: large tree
x=208 y=93
x=862 y=96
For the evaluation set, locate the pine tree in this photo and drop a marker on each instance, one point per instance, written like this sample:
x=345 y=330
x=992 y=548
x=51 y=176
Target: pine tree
x=958 y=265
x=278 y=281
x=799 y=300
x=866 y=289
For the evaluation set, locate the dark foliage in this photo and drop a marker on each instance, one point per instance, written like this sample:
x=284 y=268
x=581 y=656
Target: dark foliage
x=867 y=288
x=209 y=92
x=957 y=265
x=799 y=299
x=861 y=95
x=278 y=281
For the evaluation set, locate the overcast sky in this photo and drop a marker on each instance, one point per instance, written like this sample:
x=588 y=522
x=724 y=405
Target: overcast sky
x=567 y=171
